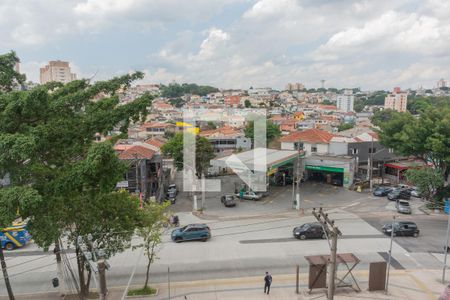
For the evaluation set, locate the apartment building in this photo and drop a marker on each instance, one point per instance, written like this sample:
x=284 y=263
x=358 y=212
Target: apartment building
x=58 y=71
x=397 y=100
x=345 y=101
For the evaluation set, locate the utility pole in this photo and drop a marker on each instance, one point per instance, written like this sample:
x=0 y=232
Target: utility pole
x=168 y=280
x=332 y=232
x=59 y=268
x=390 y=254
x=299 y=176
x=444 y=267
x=102 y=275
x=5 y=275
x=203 y=191
x=371 y=164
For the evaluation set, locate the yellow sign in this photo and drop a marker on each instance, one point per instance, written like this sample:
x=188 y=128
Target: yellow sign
x=184 y=124
x=271 y=171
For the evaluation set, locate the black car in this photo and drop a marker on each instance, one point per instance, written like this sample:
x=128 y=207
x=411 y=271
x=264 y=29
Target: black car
x=228 y=200
x=308 y=231
x=382 y=191
x=399 y=194
x=402 y=228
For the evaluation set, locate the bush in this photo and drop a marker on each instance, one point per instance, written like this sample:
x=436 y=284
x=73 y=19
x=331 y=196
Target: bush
x=142 y=292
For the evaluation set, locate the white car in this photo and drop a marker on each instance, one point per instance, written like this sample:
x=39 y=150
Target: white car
x=250 y=195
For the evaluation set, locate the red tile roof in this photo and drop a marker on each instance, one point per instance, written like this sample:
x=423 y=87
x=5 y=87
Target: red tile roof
x=314 y=136
x=154 y=142
x=136 y=152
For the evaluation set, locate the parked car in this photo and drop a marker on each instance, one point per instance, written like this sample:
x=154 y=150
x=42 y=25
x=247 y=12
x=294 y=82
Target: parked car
x=399 y=194
x=403 y=207
x=415 y=192
x=382 y=191
x=336 y=181
x=228 y=200
x=402 y=228
x=250 y=195
x=191 y=232
x=172 y=188
x=309 y=230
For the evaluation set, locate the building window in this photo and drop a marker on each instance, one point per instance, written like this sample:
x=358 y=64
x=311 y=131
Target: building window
x=354 y=150
x=372 y=150
x=313 y=149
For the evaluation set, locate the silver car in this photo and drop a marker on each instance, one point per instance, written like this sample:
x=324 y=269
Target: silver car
x=250 y=195
x=403 y=207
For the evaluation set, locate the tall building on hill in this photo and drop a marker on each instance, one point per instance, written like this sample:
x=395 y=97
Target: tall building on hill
x=442 y=83
x=295 y=87
x=397 y=100
x=58 y=71
x=345 y=102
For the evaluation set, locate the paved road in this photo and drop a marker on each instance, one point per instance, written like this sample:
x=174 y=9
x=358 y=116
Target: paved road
x=255 y=237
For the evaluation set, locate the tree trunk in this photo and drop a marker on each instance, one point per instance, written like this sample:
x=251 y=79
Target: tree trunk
x=88 y=283
x=59 y=268
x=80 y=265
x=147 y=274
x=5 y=275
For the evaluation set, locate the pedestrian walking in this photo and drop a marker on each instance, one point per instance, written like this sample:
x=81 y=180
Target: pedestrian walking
x=267 y=283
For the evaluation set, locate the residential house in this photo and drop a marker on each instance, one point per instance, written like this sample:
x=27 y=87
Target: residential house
x=144 y=172
x=311 y=141
x=227 y=139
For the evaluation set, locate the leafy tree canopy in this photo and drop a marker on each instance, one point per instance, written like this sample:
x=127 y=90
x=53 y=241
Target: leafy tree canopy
x=272 y=131
x=176 y=90
x=345 y=126
x=203 y=154
x=8 y=76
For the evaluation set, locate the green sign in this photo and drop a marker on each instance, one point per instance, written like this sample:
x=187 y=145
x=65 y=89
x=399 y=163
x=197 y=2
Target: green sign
x=322 y=168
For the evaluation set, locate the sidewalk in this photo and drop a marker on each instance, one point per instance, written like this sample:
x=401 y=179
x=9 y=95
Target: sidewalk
x=404 y=284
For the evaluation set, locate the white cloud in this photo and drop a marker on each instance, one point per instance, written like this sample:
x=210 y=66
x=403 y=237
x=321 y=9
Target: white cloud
x=271 y=8
x=391 y=32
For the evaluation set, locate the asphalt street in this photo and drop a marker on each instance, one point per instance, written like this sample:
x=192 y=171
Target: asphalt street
x=255 y=237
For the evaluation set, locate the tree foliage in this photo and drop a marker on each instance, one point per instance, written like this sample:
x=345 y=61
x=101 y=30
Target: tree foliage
x=151 y=230
x=272 y=131
x=427 y=180
x=8 y=76
x=47 y=146
x=426 y=136
x=176 y=90
x=203 y=154
x=345 y=126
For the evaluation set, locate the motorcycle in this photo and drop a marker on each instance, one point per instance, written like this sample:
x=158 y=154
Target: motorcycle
x=173 y=221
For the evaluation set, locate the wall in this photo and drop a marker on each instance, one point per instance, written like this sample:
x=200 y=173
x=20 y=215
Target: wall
x=287 y=146
x=338 y=148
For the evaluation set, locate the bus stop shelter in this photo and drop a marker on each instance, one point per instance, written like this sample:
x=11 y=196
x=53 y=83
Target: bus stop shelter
x=318 y=270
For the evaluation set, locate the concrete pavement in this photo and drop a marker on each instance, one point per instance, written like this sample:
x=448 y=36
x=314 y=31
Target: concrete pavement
x=404 y=284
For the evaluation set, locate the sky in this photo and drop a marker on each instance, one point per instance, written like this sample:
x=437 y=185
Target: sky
x=373 y=44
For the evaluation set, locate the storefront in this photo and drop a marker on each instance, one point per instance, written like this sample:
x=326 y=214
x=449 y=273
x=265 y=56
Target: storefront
x=336 y=170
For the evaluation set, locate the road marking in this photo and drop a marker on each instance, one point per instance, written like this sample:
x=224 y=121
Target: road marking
x=422 y=286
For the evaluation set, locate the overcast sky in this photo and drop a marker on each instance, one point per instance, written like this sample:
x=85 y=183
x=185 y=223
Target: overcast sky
x=374 y=44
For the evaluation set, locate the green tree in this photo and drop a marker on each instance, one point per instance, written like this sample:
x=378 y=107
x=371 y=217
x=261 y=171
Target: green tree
x=8 y=76
x=426 y=136
x=272 y=131
x=359 y=106
x=211 y=125
x=13 y=199
x=150 y=232
x=345 y=126
x=427 y=180
x=247 y=103
x=203 y=154
x=47 y=144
